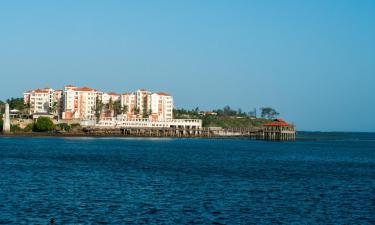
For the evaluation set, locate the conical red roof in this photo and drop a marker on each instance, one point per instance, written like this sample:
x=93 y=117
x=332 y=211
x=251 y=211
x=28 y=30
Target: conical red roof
x=277 y=123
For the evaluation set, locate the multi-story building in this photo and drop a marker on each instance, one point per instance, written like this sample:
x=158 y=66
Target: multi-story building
x=79 y=103
x=161 y=107
x=144 y=104
x=58 y=104
x=110 y=102
x=111 y=96
x=129 y=103
x=143 y=100
x=45 y=100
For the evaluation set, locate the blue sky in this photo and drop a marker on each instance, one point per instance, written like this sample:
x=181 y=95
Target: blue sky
x=314 y=61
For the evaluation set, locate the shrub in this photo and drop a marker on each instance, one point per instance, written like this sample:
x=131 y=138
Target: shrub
x=29 y=127
x=15 y=128
x=44 y=124
x=64 y=126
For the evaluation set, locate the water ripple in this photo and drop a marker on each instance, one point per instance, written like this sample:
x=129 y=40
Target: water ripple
x=196 y=181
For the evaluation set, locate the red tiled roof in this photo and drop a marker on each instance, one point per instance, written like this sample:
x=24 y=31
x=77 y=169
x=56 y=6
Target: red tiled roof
x=162 y=93
x=113 y=93
x=41 y=91
x=84 y=89
x=277 y=123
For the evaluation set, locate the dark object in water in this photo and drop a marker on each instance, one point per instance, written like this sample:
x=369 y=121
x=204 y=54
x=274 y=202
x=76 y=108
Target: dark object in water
x=52 y=221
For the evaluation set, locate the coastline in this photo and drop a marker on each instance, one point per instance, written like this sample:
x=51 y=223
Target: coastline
x=301 y=136
x=41 y=135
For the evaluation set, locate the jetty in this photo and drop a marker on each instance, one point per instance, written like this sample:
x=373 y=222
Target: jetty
x=277 y=130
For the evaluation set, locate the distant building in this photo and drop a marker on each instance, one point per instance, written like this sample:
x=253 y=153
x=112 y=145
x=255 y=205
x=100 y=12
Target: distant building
x=129 y=102
x=79 y=102
x=106 y=97
x=202 y=113
x=161 y=107
x=44 y=100
x=143 y=100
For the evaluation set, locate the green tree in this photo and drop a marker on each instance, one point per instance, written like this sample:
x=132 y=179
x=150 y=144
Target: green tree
x=124 y=109
x=110 y=104
x=27 y=108
x=64 y=127
x=239 y=112
x=44 y=124
x=268 y=113
x=117 y=108
x=98 y=108
x=136 y=110
x=2 y=107
x=29 y=127
x=53 y=109
x=15 y=128
x=16 y=103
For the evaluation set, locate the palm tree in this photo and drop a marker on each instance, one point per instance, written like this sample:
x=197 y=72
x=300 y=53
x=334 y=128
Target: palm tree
x=124 y=109
x=110 y=106
x=116 y=108
x=53 y=109
x=2 y=107
x=136 y=110
x=27 y=108
x=98 y=108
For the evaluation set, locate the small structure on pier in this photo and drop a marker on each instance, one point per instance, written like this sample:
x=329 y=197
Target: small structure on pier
x=6 y=119
x=279 y=130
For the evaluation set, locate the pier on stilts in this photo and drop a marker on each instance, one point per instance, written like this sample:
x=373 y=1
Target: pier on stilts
x=277 y=130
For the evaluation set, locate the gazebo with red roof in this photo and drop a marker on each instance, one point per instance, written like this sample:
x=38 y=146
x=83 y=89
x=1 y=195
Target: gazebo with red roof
x=278 y=129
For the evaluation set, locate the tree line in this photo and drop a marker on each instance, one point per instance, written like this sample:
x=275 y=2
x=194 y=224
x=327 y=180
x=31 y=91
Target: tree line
x=227 y=111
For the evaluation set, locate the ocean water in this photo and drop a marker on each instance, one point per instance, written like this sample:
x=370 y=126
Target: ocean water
x=314 y=180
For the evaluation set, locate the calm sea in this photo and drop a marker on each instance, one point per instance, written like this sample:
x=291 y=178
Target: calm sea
x=319 y=179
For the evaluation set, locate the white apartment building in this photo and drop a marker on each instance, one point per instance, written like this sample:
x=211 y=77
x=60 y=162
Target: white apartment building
x=161 y=106
x=45 y=100
x=143 y=100
x=105 y=97
x=79 y=103
x=128 y=100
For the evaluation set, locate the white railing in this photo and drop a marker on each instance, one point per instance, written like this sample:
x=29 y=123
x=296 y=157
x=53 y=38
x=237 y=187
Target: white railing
x=142 y=122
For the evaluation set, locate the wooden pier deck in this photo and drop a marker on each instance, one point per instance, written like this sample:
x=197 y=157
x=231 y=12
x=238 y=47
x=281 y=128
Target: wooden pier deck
x=253 y=133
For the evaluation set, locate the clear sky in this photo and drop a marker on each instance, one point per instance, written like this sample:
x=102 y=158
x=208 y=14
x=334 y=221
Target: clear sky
x=314 y=61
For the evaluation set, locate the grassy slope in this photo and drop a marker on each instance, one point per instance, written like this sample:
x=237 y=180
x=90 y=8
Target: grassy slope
x=232 y=122
x=226 y=121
